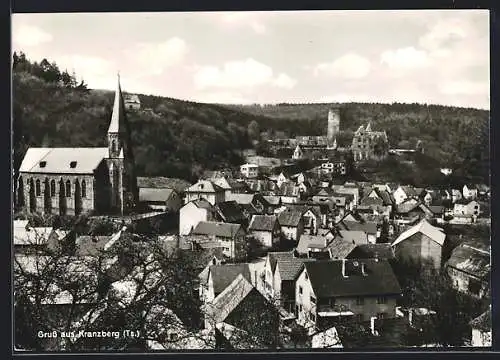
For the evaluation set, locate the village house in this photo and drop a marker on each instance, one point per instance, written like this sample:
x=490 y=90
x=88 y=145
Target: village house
x=469 y=269
x=403 y=193
x=132 y=102
x=279 y=274
x=349 y=189
x=194 y=212
x=469 y=192
x=481 y=330
x=292 y=224
x=368 y=227
x=329 y=290
x=220 y=277
x=205 y=189
x=411 y=211
x=250 y=171
x=166 y=200
x=230 y=236
x=422 y=241
x=466 y=208
x=230 y=212
x=257 y=201
x=266 y=229
x=27 y=238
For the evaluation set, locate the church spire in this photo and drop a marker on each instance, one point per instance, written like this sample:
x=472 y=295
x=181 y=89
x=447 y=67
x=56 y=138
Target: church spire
x=117 y=118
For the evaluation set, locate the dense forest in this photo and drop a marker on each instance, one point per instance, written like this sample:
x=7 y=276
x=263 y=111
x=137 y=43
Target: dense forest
x=181 y=139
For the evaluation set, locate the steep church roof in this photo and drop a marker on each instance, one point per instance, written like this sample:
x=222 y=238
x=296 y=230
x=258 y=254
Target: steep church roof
x=369 y=127
x=117 y=124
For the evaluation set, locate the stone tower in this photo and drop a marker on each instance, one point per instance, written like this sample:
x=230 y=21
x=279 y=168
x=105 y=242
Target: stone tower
x=123 y=181
x=333 y=125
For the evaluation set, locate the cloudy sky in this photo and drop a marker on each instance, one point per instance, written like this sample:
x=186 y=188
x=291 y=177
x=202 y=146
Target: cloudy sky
x=439 y=57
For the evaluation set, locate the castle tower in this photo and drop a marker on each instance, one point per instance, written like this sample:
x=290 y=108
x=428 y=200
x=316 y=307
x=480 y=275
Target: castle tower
x=124 y=191
x=333 y=125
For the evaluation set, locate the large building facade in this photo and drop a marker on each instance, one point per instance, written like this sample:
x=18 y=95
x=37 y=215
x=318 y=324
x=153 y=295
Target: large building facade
x=368 y=144
x=69 y=181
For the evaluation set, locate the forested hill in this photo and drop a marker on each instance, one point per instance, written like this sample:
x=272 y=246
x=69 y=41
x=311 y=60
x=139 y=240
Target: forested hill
x=455 y=137
x=180 y=138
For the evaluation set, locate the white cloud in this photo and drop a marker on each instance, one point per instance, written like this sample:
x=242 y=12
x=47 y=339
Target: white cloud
x=443 y=31
x=405 y=58
x=349 y=66
x=27 y=36
x=98 y=73
x=465 y=87
x=222 y=97
x=154 y=58
x=244 y=19
x=240 y=74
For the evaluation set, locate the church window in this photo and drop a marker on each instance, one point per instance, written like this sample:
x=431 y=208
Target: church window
x=84 y=189
x=43 y=164
x=72 y=164
x=68 y=188
x=52 y=188
x=37 y=188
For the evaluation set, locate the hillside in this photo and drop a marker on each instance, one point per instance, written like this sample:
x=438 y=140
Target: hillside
x=456 y=137
x=181 y=138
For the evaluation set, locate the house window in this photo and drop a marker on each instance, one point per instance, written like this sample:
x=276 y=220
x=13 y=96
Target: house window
x=312 y=316
x=37 y=188
x=52 y=188
x=313 y=300
x=360 y=301
x=300 y=290
x=381 y=300
x=68 y=188
x=84 y=189
x=300 y=308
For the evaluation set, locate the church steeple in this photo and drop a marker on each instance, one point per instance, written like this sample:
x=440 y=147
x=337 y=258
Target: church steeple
x=117 y=117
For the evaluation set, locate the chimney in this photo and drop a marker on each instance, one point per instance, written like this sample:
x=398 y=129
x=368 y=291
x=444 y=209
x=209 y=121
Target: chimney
x=344 y=273
x=372 y=326
x=363 y=269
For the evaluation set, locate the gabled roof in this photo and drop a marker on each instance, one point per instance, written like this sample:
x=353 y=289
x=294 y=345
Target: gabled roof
x=272 y=199
x=160 y=182
x=354 y=236
x=150 y=194
x=436 y=209
x=371 y=201
x=222 y=182
x=407 y=206
x=204 y=186
x=230 y=211
x=327 y=279
x=340 y=248
x=288 y=265
x=307 y=241
x=483 y=322
x=289 y=218
x=368 y=227
x=60 y=160
x=263 y=222
x=219 y=229
x=202 y=204
x=223 y=275
x=231 y=296
x=241 y=198
x=476 y=262
x=274 y=256
x=425 y=228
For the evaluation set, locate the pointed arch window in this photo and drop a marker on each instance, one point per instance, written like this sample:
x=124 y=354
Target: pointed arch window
x=84 y=189
x=52 y=188
x=68 y=188
x=38 y=190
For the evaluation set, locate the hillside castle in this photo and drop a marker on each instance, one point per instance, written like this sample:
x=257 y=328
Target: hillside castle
x=69 y=181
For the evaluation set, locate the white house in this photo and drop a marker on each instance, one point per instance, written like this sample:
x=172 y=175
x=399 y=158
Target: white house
x=297 y=153
x=467 y=208
x=481 y=329
x=266 y=229
x=205 y=189
x=194 y=212
x=469 y=192
x=249 y=170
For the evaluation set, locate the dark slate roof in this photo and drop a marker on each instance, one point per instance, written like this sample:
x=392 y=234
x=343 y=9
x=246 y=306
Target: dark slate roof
x=223 y=275
x=372 y=251
x=274 y=256
x=483 y=321
x=436 y=209
x=327 y=279
x=368 y=227
x=204 y=186
x=263 y=222
x=152 y=194
x=219 y=229
x=407 y=206
x=160 y=182
x=471 y=260
x=340 y=248
x=230 y=211
x=289 y=267
x=289 y=218
x=366 y=201
x=203 y=204
x=249 y=209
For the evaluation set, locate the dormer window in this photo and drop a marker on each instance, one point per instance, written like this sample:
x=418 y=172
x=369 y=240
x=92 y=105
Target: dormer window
x=43 y=164
x=72 y=164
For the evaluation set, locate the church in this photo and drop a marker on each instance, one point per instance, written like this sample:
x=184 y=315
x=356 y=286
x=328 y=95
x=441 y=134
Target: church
x=69 y=181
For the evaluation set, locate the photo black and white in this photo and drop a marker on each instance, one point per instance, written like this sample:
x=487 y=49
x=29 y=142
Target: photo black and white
x=251 y=181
